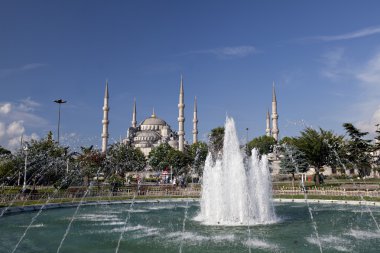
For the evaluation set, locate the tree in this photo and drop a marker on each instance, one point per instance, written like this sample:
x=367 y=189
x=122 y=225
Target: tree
x=159 y=158
x=358 y=149
x=316 y=145
x=4 y=151
x=122 y=158
x=293 y=161
x=198 y=153
x=288 y=140
x=216 y=138
x=264 y=144
x=179 y=161
x=376 y=150
x=164 y=156
x=90 y=162
x=46 y=160
x=9 y=166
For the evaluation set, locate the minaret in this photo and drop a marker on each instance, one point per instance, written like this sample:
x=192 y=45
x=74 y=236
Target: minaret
x=181 y=118
x=105 y=120
x=267 y=130
x=275 y=130
x=134 y=122
x=195 y=122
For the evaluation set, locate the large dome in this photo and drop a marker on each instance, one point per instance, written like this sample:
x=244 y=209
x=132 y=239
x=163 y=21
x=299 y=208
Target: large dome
x=154 y=121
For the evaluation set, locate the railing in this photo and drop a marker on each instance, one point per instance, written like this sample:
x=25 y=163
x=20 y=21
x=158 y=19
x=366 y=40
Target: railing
x=158 y=191
x=332 y=192
x=128 y=192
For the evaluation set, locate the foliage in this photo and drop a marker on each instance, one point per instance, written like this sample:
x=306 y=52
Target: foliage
x=164 y=156
x=288 y=140
x=376 y=150
x=158 y=157
x=116 y=182
x=46 y=160
x=293 y=161
x=90 y=161
x=122 y=158
x=264 y=144
x=198 y=153
x=4 y=151
x=216 y=138
x=358 y=150
x=9 y=168
x=317 y=147
x=179 y=161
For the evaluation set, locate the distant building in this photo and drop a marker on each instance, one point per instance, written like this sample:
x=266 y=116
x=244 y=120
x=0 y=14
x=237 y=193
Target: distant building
x=151 y=133
x=154 y=131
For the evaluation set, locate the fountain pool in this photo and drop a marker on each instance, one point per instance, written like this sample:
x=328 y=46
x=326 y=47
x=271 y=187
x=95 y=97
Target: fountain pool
x=235 y=214
x=158 y=227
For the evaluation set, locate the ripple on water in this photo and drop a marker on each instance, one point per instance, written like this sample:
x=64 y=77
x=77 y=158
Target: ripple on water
x=332 y=242
x=260 y=244
x=138 y=231
x=362 y=234
x=96 y=217
x=40 y=225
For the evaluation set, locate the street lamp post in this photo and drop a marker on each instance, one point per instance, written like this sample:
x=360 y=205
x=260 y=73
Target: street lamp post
x=59 y=102
x=26 y=161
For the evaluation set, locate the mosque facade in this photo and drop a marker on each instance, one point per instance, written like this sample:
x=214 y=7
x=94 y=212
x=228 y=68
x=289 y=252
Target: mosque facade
x=154 y=131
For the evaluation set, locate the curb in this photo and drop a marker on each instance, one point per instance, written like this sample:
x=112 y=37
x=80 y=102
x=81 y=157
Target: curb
x=31 y=208
x=325 y=201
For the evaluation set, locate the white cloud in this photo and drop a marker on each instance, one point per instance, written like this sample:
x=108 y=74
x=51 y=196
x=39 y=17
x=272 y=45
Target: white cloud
x=371 y=72
x=333 y=63
x=241 y=51
x=15 y=142
x=368 y=109
x=27 y=67
x=5 y=108
x=370 y=124
x=2 y=130
x=16 y=128
x=32 y=66
x=368 y=31
x=364 y=109
x=28 y=105
x=333 y=57
x=23 y=110
x=19 y=119
x=228 y=52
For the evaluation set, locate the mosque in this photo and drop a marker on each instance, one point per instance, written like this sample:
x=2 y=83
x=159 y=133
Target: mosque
x=154 y=131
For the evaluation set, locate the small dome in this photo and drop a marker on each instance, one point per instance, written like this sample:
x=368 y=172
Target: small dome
x=149 y=136
x=173 y=143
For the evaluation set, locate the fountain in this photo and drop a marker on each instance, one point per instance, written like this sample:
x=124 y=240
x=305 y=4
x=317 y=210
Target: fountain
x=234 y=193
x=235 y=214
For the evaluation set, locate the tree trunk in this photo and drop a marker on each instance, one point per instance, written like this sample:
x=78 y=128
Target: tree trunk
x=293 y=180
x=317 y=182
x=85 y=181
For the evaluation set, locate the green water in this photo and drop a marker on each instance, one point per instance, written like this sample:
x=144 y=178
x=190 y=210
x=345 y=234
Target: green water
x=158 y=228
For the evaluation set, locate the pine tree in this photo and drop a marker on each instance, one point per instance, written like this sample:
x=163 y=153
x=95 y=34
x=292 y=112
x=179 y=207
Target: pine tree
x=358 y=150
x=294 y=161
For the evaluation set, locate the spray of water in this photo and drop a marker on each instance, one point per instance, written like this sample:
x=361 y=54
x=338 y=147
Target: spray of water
x=125 y=224
x=314 y=224
x=232 y=193
x=183 y=224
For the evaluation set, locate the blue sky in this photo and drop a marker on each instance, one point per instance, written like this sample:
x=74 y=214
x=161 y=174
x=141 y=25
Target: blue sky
x=324 y=57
